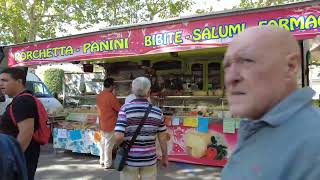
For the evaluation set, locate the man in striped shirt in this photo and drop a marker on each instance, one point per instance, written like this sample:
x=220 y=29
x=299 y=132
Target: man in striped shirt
x=142 y=159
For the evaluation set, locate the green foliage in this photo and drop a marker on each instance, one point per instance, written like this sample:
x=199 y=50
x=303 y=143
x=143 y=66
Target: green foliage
x=24 y=20
x=205 y=11
x=264 y=3
x=119 y=12
x=28 y=20
x=316 y=103
x=53 y=78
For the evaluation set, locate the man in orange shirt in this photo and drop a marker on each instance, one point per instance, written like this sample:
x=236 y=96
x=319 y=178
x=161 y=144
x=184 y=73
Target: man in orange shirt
x=108 y=107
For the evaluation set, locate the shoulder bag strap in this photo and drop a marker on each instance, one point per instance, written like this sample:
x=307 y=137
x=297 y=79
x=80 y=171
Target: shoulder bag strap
x=139 y=127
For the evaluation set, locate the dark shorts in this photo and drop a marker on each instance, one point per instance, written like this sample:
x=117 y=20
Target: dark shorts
x=32 y=157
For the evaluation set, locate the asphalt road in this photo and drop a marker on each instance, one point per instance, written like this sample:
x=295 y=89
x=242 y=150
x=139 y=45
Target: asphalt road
x=72 y=166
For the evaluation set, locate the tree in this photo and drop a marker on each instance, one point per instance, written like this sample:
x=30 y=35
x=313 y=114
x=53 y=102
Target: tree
x=166 y=8
x=118 y=12
x=25 y=20
x=53 y=78
x=204 y=11
x=29 y=20
x=264 y=3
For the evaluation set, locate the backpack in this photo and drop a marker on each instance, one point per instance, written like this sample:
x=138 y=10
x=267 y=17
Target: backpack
x=43 y=133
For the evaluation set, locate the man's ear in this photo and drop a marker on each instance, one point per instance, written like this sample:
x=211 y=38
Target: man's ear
x=293 y=65
x=19 y=81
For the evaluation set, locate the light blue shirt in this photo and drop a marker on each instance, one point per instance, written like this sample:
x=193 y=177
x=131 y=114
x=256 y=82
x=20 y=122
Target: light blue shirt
x=283 y=145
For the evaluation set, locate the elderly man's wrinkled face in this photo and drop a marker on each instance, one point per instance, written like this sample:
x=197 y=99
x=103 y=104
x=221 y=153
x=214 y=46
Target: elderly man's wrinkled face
x=254 y=76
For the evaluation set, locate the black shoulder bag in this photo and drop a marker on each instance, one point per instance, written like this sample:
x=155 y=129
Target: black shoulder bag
x=122 y=153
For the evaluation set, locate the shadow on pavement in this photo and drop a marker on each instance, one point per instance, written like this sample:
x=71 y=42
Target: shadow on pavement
x=73 y=166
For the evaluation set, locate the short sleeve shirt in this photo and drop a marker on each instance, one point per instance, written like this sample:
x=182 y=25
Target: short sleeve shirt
x=143 y=151
x=24 y=107
x=108 y=108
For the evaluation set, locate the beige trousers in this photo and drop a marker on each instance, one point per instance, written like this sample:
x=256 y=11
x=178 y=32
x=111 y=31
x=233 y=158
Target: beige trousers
x=139 y=173
x=107 y=143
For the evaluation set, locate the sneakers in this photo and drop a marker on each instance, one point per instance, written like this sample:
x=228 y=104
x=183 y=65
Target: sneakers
x=108 y=167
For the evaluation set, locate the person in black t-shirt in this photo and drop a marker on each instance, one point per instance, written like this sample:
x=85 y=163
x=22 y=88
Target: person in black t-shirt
x=12 y=83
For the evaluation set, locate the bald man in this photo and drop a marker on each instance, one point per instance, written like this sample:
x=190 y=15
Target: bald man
x=279 y=136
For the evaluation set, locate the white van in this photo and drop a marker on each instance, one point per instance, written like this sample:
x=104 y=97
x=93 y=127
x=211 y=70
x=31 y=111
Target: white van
x=42 y=92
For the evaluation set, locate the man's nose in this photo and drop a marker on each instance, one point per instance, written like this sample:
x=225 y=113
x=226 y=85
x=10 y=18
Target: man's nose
x=232 y=75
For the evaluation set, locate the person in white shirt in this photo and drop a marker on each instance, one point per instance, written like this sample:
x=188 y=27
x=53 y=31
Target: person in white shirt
x=131 y=97
x=4 y=101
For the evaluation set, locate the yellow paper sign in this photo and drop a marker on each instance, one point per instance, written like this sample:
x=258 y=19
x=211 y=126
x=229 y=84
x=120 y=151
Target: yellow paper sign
x=190 y=122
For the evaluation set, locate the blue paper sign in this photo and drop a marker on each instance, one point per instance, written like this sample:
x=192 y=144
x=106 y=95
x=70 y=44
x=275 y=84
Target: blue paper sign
x=175 y=121
x=75 y=135
x=203 y=124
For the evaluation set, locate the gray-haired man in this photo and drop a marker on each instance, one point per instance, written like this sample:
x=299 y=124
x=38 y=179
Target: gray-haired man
x=142 y=155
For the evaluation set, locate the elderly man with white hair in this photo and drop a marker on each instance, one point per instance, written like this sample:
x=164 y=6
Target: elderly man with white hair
x=279 y=132
x=142 y=159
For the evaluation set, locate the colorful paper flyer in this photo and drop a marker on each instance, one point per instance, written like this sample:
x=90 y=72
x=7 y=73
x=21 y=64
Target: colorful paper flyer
x=229 y=125
x=97 y=136
x=190 y=121
x=75 y=135
x=237 y=123
x=227 y=114
x=95 y=149
x=88 y=138
x=203 y=124
x=62 y=133
x=175 y=121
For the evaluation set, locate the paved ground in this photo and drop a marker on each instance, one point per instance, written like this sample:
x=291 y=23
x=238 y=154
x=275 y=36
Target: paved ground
x=72 y=166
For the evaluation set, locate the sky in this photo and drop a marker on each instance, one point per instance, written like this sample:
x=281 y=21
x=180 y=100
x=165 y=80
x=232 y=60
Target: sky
x=199 y=4
x=217 y=5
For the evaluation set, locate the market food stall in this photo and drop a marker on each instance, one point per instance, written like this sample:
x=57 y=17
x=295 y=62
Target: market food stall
x=182 y=58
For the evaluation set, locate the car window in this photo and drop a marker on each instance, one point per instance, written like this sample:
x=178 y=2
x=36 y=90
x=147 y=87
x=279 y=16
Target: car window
x=38 y=88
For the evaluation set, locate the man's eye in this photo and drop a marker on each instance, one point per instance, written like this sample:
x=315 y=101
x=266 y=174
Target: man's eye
x=248 y=60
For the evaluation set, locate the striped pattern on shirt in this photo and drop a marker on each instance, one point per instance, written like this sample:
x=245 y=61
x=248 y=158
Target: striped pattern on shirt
x=143 y=151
